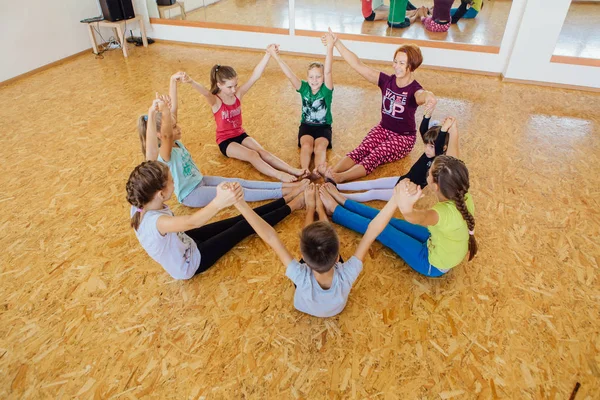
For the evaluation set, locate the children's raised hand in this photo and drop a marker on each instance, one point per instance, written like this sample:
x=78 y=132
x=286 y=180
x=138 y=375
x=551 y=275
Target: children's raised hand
x=273 y=49
x=154 y=107
x=328 y=39
x=166 y=101
x=177 y=76
x=406 y=194
x=448 y=122
x=185 y=78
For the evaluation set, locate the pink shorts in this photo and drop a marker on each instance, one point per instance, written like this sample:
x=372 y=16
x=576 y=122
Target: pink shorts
x=381 y=146
x=433 y=26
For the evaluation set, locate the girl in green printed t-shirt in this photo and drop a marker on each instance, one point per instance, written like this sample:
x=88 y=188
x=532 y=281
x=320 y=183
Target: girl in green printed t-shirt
x=314 y=134
x=430 y=241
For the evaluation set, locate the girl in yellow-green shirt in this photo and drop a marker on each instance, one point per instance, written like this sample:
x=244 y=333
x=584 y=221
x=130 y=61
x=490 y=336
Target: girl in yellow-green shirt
x=430 y=241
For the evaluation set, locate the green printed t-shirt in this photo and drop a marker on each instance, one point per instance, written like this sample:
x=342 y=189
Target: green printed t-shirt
x=186 y=176
x=449 y=241
x=316 y=108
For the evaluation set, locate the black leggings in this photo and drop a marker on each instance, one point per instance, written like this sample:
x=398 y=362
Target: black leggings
x=216 y=239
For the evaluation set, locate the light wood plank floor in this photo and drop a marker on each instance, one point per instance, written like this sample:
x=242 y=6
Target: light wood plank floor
x=85 y=313
x=580 y=34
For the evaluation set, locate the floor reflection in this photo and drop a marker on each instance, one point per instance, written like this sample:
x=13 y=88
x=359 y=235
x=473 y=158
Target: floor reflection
x=580 y=35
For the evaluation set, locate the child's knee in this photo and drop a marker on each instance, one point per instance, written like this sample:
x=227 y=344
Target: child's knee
x=254 y=156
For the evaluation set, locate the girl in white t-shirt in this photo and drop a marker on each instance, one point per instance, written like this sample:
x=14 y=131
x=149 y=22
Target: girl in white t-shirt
x=186 y=245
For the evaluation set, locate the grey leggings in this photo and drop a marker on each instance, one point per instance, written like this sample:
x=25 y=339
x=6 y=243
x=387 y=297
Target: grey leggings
x=253 y=190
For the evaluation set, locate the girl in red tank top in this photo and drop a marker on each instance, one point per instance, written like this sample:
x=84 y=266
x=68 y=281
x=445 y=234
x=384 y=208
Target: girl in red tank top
x=225 y=98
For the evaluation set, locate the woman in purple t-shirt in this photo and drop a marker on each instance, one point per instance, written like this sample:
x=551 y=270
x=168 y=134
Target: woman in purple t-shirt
x=394 y=137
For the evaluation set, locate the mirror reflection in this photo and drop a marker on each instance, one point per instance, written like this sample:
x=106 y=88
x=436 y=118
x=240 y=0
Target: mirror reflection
x=580 y=35
x=478 y=22
x=270 y=13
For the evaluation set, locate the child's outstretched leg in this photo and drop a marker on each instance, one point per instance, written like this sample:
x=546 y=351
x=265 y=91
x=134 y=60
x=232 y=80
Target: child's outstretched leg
x=309 y=199
x=236 y=150
x=320 y=207
x=375 y=194
x=320 y=150
x=307 y=144
x=272 y=160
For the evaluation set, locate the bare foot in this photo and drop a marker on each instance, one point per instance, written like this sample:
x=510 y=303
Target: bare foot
x=315 y=173
x=332 y=190
x=328 y=202
x=331 y=176
x=321 y=169
x=297 y=202
x=320 y=209
x=283 y=177
x=309 y=197
x=292 y=185
x=299 y=172
x=292 y=189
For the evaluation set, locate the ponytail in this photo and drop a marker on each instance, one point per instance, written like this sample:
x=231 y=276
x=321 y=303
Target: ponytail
x=219 y=74
x=143 y=128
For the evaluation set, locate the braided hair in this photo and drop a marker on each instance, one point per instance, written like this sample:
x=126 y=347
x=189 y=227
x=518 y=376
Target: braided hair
x=146 y=179
x=452 y=177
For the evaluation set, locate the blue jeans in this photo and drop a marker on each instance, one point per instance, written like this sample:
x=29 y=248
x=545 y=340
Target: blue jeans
x=409 y=241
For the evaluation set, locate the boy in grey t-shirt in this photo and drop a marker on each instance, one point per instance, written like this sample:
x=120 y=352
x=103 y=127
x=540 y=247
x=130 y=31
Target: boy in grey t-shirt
x=322 y=282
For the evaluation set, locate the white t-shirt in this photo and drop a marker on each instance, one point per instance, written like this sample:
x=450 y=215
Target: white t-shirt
x=312 y=299
x=176 y=252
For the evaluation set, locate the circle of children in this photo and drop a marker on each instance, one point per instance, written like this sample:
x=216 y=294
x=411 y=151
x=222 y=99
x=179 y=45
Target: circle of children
x=431 y=241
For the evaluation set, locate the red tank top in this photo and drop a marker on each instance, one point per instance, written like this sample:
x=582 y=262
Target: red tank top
x=229 y=120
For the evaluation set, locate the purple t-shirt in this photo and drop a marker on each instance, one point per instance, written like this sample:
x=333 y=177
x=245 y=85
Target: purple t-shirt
x=441 y=10
x=398 y=105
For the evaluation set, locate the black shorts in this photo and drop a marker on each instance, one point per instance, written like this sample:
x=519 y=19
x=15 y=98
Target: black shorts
x=238 y=139
x=316 y=131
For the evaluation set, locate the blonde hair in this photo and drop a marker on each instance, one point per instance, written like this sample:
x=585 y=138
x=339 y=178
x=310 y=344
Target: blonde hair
x=143 y=128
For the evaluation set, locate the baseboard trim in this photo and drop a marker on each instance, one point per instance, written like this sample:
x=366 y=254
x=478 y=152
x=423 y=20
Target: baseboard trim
x=218 y=25
x=44 y=67
x=588 y=62
x=551 y=84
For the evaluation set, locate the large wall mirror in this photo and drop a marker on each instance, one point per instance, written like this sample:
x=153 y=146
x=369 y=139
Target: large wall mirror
x=476 y=22
x=466 y=22
x=579 y=39
x=231 y=13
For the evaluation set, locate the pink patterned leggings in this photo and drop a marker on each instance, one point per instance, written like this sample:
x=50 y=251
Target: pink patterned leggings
x=433 y=26
x=381 y=146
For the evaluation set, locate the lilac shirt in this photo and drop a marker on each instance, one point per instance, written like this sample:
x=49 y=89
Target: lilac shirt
x=441 y=10
x=398 y=105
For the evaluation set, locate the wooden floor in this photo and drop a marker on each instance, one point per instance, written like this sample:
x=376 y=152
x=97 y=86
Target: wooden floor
x=85 y=313
x=580 y=35
x=345 y=16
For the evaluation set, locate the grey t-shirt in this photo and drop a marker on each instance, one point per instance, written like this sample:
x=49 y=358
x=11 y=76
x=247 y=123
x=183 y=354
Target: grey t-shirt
x=176 y=252
x=312 y=299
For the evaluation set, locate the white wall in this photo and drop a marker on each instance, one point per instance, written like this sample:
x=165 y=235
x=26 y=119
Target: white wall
x=38 y=32
x=538 y=33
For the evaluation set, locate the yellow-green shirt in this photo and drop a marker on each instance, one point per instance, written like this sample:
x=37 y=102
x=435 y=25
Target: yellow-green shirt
x=477 y=5
x=449 y=241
